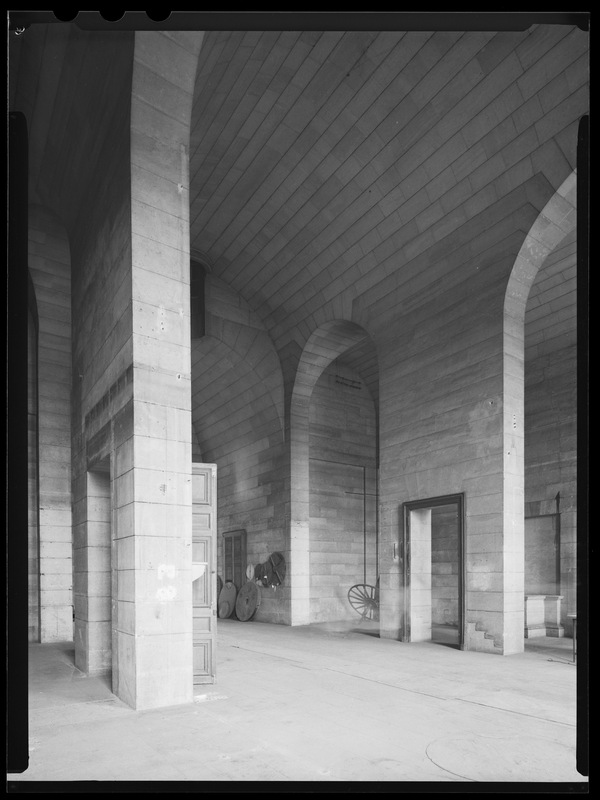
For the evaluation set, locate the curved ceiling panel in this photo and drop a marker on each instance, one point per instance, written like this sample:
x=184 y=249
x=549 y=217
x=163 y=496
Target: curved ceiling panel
x=362 y=163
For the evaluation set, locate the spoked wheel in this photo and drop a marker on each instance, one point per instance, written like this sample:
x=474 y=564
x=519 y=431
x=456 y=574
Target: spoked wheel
x=364 y=599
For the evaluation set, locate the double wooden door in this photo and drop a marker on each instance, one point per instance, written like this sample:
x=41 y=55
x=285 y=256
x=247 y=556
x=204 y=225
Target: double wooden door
x=204 y=571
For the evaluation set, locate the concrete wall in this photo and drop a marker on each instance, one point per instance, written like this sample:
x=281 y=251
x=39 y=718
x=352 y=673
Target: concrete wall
x=33 y=556
x=50 y=269
x=103 y=376
x=551 y=408
x=237 y=412
x=451 y=411
x=343 y=446
x=441 y=432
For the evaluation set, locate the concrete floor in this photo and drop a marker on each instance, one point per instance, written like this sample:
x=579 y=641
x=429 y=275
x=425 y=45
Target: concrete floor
x=322 y=703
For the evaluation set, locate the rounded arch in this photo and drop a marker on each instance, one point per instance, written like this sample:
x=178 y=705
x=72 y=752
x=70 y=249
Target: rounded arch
x=557 y=219
x=555 y=222
x=330 y=341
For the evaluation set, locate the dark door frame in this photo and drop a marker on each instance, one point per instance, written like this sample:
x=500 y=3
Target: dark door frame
x=432 y=502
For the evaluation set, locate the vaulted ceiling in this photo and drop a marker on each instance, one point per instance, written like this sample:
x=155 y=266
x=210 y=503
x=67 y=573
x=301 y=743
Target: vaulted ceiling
x=332 y=167
x=348 y=164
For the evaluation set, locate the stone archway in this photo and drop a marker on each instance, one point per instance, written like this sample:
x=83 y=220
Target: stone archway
x=325 y=344
x=557 y=219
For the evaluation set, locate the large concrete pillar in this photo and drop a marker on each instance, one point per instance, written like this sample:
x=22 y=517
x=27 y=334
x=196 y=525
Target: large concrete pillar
x=155 y=647
x=298 y=554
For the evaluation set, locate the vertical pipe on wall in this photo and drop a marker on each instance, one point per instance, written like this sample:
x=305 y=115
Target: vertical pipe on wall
x=557 y=544
x=376 y=526
x=364 y=525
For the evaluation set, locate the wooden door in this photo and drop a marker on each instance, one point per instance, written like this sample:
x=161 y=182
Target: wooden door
x=204 y=570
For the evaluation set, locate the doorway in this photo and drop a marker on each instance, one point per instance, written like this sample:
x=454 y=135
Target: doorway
x=95 y=579
x=204 y=572
x=433 y=571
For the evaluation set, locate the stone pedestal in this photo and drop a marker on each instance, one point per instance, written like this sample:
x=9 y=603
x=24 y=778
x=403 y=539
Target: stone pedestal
x=542 y=615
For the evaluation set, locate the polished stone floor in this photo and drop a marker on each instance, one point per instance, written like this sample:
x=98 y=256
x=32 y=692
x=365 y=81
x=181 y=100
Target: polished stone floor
x=325 y=703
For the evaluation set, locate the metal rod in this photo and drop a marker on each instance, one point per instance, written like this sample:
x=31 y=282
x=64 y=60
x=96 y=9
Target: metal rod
x=365 y=524
x=376 y=526
x=557 y=544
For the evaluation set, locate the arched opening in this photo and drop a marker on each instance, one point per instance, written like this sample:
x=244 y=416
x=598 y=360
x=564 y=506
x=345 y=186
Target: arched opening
x=551 y=441
x=540 y=415
x=333 y=472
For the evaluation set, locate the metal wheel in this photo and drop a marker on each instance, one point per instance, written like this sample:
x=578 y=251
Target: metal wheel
x=364 y=599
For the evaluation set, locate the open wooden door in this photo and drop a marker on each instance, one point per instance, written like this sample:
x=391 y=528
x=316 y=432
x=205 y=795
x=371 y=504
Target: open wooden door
x=204 y=571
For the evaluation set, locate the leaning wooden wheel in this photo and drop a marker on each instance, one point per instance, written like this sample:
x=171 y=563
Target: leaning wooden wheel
x=278 y=568
x=364 y=599
x=248 y=600
x=227 y=598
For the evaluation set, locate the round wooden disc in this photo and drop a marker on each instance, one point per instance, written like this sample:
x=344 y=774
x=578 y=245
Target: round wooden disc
x=278 y=567
x=249 y=572
x=219 y=586
x=227 y=597
x=224 y=610
x=247 y=602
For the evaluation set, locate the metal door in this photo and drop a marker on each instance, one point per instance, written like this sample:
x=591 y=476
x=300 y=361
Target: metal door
x=417 y=567
x=204 y=570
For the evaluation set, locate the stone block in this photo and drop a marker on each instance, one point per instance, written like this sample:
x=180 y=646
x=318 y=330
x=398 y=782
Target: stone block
x=163 y=670
x=168 y=132
x=164 y=488
x=154 y=286
x=172 y=390
x=149 y=222
x=123 y=489
x=172 y=456
x=152 y=519
x=163 y=617
x=484 y=601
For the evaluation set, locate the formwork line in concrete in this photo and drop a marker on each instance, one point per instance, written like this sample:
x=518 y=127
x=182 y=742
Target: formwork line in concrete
x=512 y=711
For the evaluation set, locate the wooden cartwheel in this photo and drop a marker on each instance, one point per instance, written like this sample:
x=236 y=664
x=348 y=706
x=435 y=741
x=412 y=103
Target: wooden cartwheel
x=248 y=600
x=277 y=569
x=227 y=598
x=364 y=599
